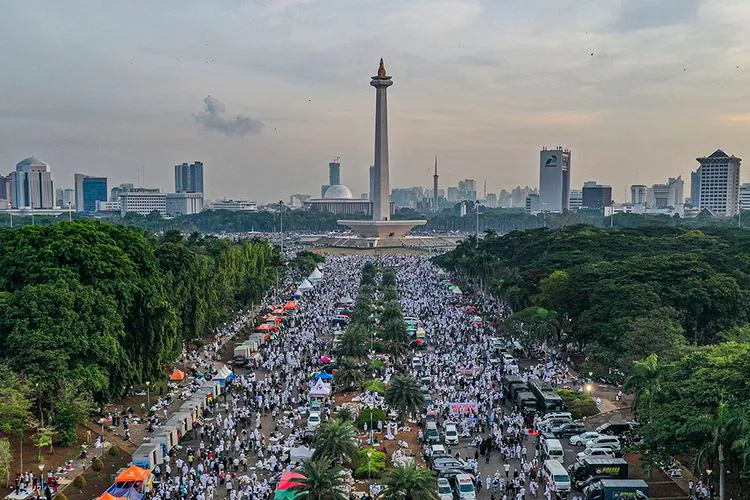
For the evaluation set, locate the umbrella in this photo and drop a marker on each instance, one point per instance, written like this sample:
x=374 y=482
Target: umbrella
x=325 y=359
x=324 y=376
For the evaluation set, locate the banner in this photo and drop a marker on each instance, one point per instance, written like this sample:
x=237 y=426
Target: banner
x=463 y=408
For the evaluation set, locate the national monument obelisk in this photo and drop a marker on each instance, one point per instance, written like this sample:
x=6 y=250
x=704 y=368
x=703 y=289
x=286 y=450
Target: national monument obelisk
x=381 y=230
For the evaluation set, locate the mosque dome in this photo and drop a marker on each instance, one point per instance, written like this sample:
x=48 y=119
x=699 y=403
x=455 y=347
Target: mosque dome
x=338 y=192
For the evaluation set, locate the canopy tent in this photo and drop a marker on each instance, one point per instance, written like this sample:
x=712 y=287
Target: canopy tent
x=346 y=300
x=305 y=286
x=300 y=454
x=288 y=481
x=133 y=474
x=325 y=359
x=324 y=376
x=129 y=493
x=107 y=496
x=177 y=375
x=224 y=375
x=267 y=327
x=270 y=318
x=279 y=311
x=291 y=305
x=316 y=275
x=297 y=294
x=320 y=390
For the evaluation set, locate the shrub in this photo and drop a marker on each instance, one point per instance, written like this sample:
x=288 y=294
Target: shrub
x=580 y=404
x=97 y=465
x=374 y=365
x=377 y=464
x=375 y=386
x=79 y=482
x=364 y=417
x=114 y=451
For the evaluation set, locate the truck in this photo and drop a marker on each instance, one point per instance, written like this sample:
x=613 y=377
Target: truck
x=617 y=489
x=526 y=402
x=547 y=399
x=241 y=354
x=615 y=468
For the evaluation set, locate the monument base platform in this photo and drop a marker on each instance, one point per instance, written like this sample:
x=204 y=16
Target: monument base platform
x=414 y=242
x=381 y=228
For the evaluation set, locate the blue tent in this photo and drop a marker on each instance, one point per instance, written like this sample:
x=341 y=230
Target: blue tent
x=129 y=493
x=324 y=376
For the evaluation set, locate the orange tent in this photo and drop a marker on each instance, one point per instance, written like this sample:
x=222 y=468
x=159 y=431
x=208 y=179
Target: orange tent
x=177 y=375
x=291 y=305
x=278 y=311
x=107 y=496
x=133 y=474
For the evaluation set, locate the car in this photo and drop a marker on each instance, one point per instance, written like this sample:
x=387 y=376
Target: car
x=568 y=429
x=444 y=463
x=583 y=438
x=425 y=390
x=416 y=363
x=551 y=423
x=605 y=441
x=431 y=416
x=465 y=487
x=313 y=421
x=596 y=452
x=451 y=434
x=445 y=492
x=314 y=407
x=431 y=434
x=438 y=450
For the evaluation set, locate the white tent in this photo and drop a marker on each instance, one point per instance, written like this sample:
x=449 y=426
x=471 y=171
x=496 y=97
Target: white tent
x=300 y=454
x=320 y=390
x=305 y=286
x=346 y=300
x=224 y=375
x=316 y=275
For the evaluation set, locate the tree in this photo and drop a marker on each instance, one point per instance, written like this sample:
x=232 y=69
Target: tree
x=644 y=383
x=322 y=481
x=14 y=406
x=335 y=442
x=354 y=342
x=404 y=395
x=73 y=407
x=6 y=460
x=409 y=483
x=349 y=374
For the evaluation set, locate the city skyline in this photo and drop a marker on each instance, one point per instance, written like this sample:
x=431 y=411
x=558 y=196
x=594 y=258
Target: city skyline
x=482 y=85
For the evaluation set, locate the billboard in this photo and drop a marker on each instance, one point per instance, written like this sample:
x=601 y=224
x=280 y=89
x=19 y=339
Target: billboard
x=469 y=408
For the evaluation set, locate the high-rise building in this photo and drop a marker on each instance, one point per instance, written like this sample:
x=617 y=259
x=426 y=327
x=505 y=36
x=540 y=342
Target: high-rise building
x=334 y=173
x=453 y=195
x=658 y=196
x=114 y=194
x=554 y=179
x=491 y=200
x=65 y=198
x=533 y=204
x=188 y=178
x=504 y=199
x=638 y=194
x=518 y=196
x=6 y=188
x=89 y=190
x=184 y=204
x=596 y=196
x=745 y=197
x=143 y=201
x=467 y=190
x=576 y=199
x=695 y=188
x=32 y=185
x=676 y=191
x=719 y=180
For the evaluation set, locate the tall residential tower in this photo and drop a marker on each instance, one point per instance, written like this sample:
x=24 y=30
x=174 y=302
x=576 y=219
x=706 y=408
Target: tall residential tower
x=554 y=180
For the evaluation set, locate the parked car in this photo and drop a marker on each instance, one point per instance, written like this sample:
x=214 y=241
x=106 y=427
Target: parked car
x=604 y=442
x=432 y=435
x=583 y=438
x=441 y=463
x=313 y=421
x=596 y=452
x=445 y=492
x=568 y=429
x=451 y=434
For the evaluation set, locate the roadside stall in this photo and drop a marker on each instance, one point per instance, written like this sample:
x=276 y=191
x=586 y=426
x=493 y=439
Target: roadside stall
x=148 y=455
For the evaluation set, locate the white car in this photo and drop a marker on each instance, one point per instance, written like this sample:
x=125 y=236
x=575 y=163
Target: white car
x=582 y=439
x=604 y=441
x=313 y=421
x=596 y=453
x=451 y=434
x=445 y=492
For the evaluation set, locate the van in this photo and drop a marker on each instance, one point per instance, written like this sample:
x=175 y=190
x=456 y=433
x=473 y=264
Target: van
x=431 y=434
x=465 y=487
x=553 y=472
x=553 y=450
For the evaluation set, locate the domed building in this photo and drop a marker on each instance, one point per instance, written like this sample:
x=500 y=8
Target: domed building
x=338 y=199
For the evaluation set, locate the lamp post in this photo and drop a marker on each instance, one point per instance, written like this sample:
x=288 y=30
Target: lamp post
x=148 y=397
x=41 y=478
x=369 y=461
x=708 y=480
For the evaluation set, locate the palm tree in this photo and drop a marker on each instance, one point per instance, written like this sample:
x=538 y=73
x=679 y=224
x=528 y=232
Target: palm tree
x=391 y=310
x=395 y=330
x=349 y=374
x=409 y=483
x=335 y=442
x=719 y=433
x=345 y=414
x=322 y=481
x=404 y=395
x=354 y=342
x=644 y=383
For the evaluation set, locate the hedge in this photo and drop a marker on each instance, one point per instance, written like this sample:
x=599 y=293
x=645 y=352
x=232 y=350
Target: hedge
x=375 y=386
x=377 y=464
x=580 y=404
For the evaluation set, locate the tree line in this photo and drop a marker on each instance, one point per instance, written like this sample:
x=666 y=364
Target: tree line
x=90 y=309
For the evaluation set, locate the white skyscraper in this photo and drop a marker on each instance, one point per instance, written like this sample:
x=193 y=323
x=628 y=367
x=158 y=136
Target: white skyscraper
x=554 y=179
x=745 y=197
x=638 y=194
x=719 y=182
x=32 y=185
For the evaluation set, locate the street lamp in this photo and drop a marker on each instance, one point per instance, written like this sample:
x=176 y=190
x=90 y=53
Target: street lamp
x=369 y=461
x=148 y=397
x=708 y=480
x=41 y=478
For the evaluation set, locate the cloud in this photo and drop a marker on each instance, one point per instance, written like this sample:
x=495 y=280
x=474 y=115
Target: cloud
x=212 y=118
x=643 y=14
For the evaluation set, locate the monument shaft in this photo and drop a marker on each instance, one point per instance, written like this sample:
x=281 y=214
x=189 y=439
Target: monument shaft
x=381 y=208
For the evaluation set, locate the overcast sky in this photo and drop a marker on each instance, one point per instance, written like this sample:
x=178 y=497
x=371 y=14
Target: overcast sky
x=267 y=92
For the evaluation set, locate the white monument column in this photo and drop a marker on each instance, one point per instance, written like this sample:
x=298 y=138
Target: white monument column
x=381 y=209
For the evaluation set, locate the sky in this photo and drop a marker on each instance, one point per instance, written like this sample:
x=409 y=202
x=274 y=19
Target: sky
x=267 y=92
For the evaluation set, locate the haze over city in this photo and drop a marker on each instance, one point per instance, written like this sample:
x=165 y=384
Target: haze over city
x=266 y=93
